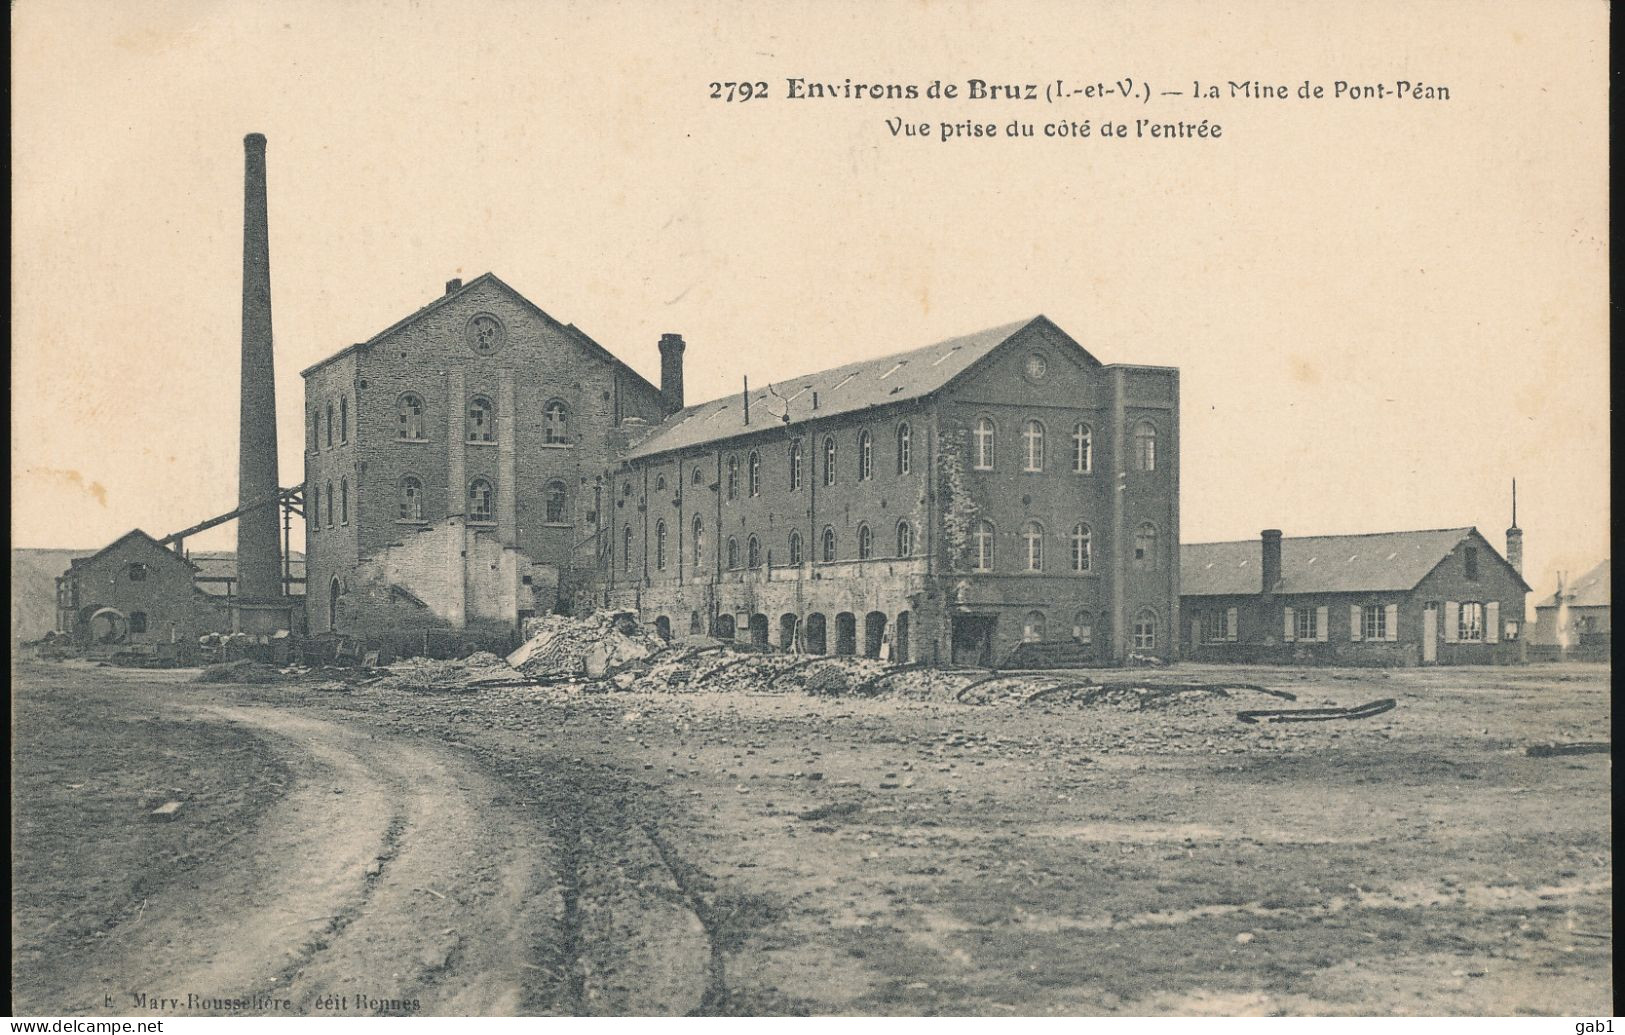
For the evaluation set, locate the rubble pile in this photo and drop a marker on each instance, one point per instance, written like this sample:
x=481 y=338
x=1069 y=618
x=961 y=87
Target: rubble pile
x=428 y=675
x=240 y=671
x=603 y=643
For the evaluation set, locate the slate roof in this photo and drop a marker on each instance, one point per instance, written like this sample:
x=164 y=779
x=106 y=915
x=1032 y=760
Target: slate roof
x=1377 y=562
x=1593 y=589
x=571 y=329
x=891 y=378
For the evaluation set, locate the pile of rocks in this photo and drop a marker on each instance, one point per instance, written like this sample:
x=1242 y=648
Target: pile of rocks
x=593 y=646
x=428 y=675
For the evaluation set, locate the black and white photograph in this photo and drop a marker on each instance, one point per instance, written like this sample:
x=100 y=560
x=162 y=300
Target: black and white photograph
x=914 y=509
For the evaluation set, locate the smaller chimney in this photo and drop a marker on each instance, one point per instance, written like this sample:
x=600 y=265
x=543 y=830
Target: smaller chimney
x=671 y=370
x=1515 y=535
x=746 y=392
x=1271 y=573
x=454 y=284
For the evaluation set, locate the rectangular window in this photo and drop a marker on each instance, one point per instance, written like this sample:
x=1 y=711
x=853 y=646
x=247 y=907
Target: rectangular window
x=1374 y=622
x=1470 y=624
x=138 y=621
x=1304 y=626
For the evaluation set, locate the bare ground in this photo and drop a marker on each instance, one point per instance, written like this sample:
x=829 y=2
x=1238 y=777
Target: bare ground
x=522 y=850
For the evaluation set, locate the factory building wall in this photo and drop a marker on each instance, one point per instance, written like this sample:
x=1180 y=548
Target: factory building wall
x=160 y=599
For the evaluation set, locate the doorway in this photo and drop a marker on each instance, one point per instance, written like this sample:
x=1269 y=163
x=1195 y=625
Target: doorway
x=1430 y=634
x=973 y=639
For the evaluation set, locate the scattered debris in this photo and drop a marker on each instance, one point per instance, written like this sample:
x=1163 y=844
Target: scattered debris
x=241 y=671
x=1359 y=711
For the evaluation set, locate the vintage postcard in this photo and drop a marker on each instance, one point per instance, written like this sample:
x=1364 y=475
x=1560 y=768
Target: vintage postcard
x=810 y=509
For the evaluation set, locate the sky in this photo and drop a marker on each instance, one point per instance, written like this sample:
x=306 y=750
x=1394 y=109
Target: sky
x=1382 y=311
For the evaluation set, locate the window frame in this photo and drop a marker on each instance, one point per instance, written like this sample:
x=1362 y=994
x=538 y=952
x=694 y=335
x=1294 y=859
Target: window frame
x=985 y=439
x=795 y=464
x=407 y=421
x=490 y=502
x=905 y=539
x=905 y=448
x=827 y=545
x=1083 y=548
x=660 y=545
x=1083 y=448
x=753 y=473
x=402 y=490
x=1145 y=445
x=1373 y=621
x=563 y=498
x=866 y=455
x=488 y=410
x=1032 y=446
x=984 y=546
x=1473 y=633
x=795 y=548
x=1032 y=537
x=866 y=541
x=1146 y=536
x=555 y=423
x=1145 y=639
x=831 y=458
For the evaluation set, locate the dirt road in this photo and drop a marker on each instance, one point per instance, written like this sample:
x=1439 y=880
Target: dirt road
x=538 y=851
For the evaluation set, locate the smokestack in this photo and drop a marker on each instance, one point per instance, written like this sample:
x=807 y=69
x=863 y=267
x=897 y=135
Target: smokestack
x=259 y=561
x=671 y=370
x=454 y=284
x=1271 y=574
x=747 y=399
x=1515 y=535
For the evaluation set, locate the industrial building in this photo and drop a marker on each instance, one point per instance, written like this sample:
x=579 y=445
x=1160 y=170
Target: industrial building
x=1002 y=497
x=1442 y=596
x=137 y=595
x=1576 y=620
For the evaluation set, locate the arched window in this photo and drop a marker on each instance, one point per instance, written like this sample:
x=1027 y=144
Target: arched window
x=905 y=539
x=698 y=477
x=328 y=514
x=753 y=474
x=1083 y=448
x=733 y=553
x=866 y=543
x=733 y=477
x=753 y=553
x=481 y=420
x=1032 y=533
x=984 y=546
x=344 y=501
x=829 y=543
x=626 y=548
x=1032 y=627
x=829 y=460
x=409 y=418
x=795 y=547
x=313 y=508
x=699 y=541
x=660 y=545
x=555 y=424
x=411 y=498
x=795 y=465
x=1032 y=439
x=1083 y=628
x=1145 y=546
x=866 y=455
x=315 y=430
x=1145 y=630
x=479 y=500
x=1082 y=547
x=985 y=438
x=555 y=494
x=344 y=418
x=905 y=448
x=330 y=425
x=1145 y=446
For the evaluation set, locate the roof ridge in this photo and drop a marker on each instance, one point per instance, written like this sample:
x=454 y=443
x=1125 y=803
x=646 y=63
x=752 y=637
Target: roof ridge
x=1339 y=535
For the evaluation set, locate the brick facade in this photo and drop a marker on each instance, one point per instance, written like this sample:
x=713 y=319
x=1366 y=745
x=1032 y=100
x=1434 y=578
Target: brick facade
x=455 y=396
x=151 y=586
x=917 y=605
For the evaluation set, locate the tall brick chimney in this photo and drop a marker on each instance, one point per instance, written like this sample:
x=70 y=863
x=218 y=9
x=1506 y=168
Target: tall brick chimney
x=1270 y=574
x=671 y=370
x=1515 y=535
x=259 y=555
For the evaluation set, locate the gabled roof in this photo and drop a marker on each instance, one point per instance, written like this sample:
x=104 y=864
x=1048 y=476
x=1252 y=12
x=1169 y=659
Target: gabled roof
x=571 y=329
x=892 y=378
x=1376 y=562
x=1593 y=589
x=134 y=533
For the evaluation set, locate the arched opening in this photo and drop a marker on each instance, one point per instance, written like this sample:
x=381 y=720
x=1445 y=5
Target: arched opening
x=846 y=634
x=813 y=637
x=724 y=629
x=874 y=633
x=695 y=626
x=663 y=627
x=899 y=639
x=787 y=632
x=758 y=630
x=333 y=606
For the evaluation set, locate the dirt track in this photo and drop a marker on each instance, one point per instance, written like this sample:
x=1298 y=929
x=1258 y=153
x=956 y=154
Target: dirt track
x=526 y=851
